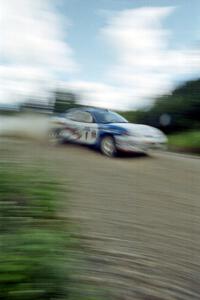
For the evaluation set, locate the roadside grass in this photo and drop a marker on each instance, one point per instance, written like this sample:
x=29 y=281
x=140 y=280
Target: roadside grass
x=185 y=141
x=38 y=254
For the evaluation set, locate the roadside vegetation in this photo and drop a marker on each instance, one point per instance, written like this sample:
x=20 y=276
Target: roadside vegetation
x=176 y=114
x=185 y=141
x=38 y=255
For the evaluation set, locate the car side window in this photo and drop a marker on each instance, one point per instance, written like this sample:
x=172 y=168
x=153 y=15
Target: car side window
x=80 y=116
x=71 y=115
x=86 y=117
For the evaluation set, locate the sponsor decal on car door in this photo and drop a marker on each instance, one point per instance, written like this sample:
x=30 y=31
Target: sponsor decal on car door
x=72 y=132
x=89 y=134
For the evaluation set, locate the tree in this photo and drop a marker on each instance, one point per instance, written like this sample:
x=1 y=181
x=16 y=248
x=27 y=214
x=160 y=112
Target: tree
x=180 y=109
x=65 y=100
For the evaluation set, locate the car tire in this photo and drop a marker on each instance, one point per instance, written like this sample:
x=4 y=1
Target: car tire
x=108 y=146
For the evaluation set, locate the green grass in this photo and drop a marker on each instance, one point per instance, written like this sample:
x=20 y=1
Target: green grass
x=189 y=141
x=35 y=240
x=38 y=255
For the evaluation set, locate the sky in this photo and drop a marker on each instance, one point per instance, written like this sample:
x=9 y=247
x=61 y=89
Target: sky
x=118 y=54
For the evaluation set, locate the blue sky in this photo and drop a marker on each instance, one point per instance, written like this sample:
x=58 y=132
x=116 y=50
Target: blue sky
x=114 y=53
x=89 y=16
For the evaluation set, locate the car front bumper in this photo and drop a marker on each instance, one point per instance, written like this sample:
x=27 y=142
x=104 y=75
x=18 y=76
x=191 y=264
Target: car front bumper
x=142 y=145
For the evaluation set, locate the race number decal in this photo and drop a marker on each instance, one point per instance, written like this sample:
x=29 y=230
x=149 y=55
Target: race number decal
x=86 y=135
x=93 y=134
x=87 y=130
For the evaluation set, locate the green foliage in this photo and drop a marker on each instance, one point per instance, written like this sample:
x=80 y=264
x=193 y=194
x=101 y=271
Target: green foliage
x=38 y=257
x=134 y=116
x=182 y=107
x=186 y=140
x=34 y=239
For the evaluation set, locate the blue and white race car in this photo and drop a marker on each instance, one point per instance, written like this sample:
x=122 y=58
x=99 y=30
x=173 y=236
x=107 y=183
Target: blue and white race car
x=105 y=130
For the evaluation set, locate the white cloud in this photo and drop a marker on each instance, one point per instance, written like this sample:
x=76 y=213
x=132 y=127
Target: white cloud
x=145 y=64
x=19 y=82
x=32 y=46
x=34 y=52
x=99 y=94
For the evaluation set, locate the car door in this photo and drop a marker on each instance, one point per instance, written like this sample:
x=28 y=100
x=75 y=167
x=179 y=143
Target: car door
x=89 y=128
x=80 y=127
x=71 y=130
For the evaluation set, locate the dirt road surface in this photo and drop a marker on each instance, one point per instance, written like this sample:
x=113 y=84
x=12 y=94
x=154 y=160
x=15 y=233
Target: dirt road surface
x=139 y=217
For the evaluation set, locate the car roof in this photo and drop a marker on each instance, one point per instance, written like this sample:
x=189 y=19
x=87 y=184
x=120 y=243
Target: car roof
x=89 y=109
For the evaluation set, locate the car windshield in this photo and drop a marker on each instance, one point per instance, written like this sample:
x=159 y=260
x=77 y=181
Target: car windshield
x=106 y=117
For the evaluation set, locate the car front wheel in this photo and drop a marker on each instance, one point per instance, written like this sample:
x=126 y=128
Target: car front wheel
x=108 y=146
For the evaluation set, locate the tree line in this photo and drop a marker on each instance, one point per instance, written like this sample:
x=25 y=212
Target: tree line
x=177 y=111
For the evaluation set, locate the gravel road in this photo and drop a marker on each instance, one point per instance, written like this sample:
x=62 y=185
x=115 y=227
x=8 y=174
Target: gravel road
x=139 y=217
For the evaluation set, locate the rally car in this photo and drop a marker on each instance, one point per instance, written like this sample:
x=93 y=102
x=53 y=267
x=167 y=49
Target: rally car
x=105 y=130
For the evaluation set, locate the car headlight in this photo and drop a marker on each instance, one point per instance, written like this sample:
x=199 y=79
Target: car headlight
x=126 y=133
x=132 y=134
